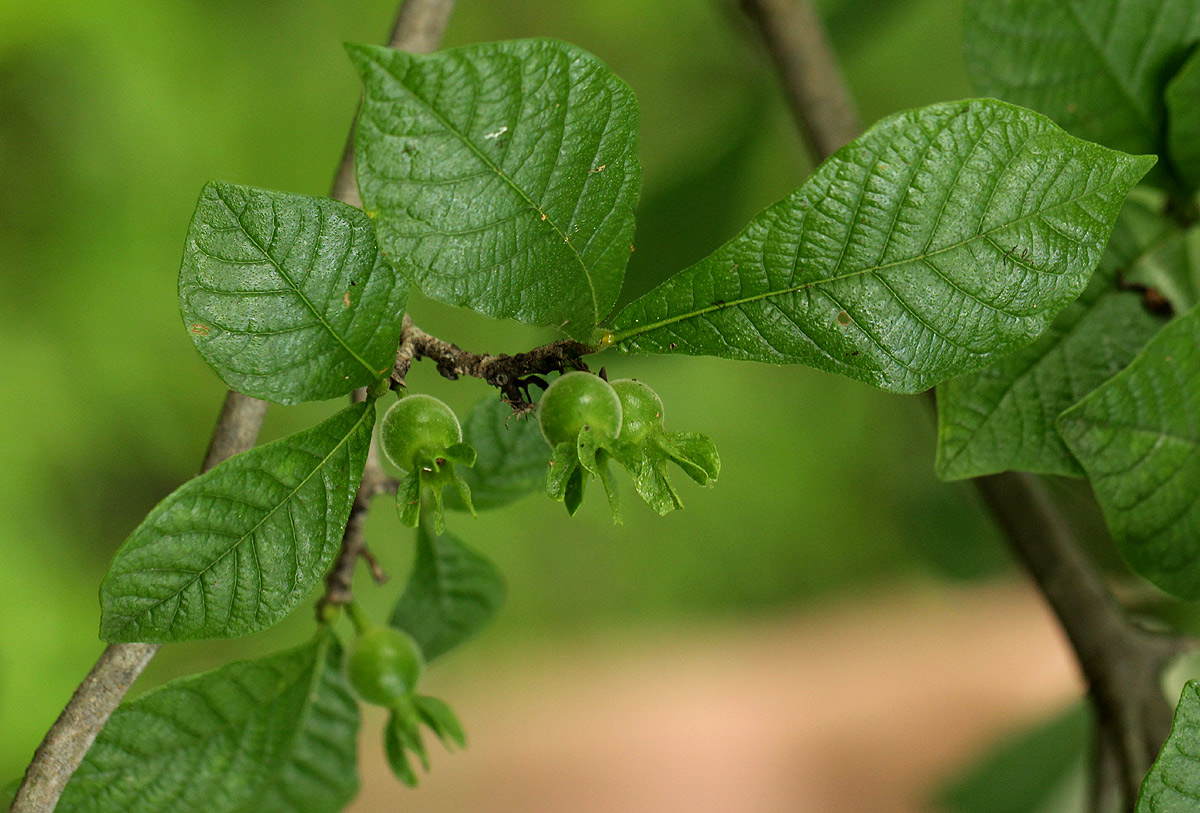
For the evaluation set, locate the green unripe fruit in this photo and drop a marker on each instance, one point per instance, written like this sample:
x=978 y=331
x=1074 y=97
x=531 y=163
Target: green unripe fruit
x=576 y=400
x=641 y=410
x=384 y=666
x=418 y=425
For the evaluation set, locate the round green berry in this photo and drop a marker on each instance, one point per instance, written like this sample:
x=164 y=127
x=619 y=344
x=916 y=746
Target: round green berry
x=418 y=425
x=384 y=665
x=641 y=410
x=576 y=400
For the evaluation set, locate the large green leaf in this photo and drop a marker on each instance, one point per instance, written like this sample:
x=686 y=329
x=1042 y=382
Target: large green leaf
x=286 y=296
x=1173 y=784
x=505 y=174
x=451 y=593
x=1097 y=67
x=234 y=550
x=1183 y=121
x=939 y=241
x=1002 y=417
x=512 y=456
x=276 y=735
x=1138 y=438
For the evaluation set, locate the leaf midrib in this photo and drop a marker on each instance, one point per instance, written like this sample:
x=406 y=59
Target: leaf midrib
x=248 y=534
x=487 y=162
x=290 y=282
x=625 y=335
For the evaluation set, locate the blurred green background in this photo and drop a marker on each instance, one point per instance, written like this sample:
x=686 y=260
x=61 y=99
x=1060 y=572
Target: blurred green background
x=112 y=117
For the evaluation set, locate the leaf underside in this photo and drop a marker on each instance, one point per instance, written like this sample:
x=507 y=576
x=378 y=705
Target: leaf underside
x=1173 y=783
x=451 y=594
x=504 y=174
x=286 y=296
x=234 y=550
x=1097 y=67
x=512 y=456
x=276 y=735
x=939 y=241
x=1138 y=438
x=1002 y=417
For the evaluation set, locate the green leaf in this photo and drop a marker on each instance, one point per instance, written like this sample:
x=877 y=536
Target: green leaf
x=1183 y=121
x=512 y=456
x=451 y=593
x=1138 y=438
x=1097 y=67
x=1173 y=784
x=1172 y=269
x=286 y=296
x=399 y=737
x=1002 y=417
x=236 y=549
x=276 y=735
x=1026 y=771
x=941 y=240
x=505 y=174
x=441 y=720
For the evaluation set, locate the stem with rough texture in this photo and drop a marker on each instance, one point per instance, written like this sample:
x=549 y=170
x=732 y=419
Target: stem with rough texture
x=1121 y=662
x=418 y=28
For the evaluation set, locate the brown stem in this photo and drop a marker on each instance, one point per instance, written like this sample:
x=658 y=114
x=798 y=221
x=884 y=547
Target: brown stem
x=819 y=99
x=418 y=28
x=508 y=373
x=1121 y=661
x=340 y=579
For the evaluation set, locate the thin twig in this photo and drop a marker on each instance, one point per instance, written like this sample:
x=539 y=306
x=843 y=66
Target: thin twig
x=1121 y=662
x=418 y=28
x=510 y=374
x=340 y=579
x=819 y=99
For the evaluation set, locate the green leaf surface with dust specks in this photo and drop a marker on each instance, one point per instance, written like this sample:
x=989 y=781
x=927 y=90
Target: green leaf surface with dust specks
x=1138 y=438
x=1097 y=67
x=1173 y=783
x=286 y=296
x=1002 y=417
x=236 y=549
x=504 y=175
x=275 y=735
x=939 y=241
x=452 y=592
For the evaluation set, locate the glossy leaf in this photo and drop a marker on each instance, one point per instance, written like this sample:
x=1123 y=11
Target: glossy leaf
x=1097 y=67
x=236 y=549
x=512 y=456
x=286 y=295
x=1138 y=438
x=504 y=174
x=1002 y=417
x=451 y=594
x=276 y=735
x=1183 y=121
x=941 y=240
x=1173 y=784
